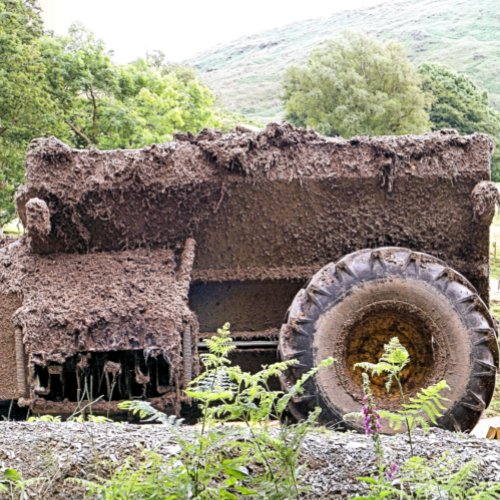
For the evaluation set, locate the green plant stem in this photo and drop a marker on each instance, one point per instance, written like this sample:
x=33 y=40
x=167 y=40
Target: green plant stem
x=263 y=455
x=200 y=448
x=408 y=430
x=204 y=422
x=278 y=415
x=256 y=442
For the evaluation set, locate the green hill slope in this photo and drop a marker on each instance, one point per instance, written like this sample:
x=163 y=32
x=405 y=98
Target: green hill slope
x=246 y=74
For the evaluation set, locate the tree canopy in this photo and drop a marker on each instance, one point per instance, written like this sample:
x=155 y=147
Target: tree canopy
x=356 y=85
x=26 y=109
x=457 y=102
x=110 y=106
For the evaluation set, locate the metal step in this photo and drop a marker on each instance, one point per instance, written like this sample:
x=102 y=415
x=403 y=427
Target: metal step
x=247 y=344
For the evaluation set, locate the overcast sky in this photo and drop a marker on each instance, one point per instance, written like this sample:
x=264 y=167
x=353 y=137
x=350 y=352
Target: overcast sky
x=181 y=28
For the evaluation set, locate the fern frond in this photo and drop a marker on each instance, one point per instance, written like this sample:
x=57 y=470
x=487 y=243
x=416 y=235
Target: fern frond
x=355 y=415
x=462 y=477
x=219 y=347
x=275 y=369
x=212 y=385
x=392 y=362
x=396 y=419
x=428 y=401
x=426 y=406
x=298 y=387
x=147 y=413
x=45 y=418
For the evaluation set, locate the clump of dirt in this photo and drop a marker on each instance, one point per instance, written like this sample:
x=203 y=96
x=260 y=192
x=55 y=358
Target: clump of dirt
x=107 y=267
x=38 y=220
x=485 y=198
x=98 y=302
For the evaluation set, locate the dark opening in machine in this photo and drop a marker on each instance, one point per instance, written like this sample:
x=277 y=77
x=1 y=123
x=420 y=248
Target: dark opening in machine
x=112 y=375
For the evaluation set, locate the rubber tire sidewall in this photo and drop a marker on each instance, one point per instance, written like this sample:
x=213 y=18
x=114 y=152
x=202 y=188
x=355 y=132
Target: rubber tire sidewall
x=467 y=341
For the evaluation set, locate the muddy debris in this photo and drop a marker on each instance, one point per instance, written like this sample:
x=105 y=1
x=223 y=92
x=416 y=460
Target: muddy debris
x=132 y=256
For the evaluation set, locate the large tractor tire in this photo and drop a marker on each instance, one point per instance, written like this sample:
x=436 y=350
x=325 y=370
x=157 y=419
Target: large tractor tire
x=351 y=308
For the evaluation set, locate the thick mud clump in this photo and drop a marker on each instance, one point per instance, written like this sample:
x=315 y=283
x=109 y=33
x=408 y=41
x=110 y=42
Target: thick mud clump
x=108 y=276
x=281 y=198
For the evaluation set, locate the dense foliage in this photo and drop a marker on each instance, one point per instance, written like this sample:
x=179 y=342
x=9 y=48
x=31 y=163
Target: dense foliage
x=460 y=104
x=110 y=106
x=356 y=85
x=26 y=109
x=68 y=86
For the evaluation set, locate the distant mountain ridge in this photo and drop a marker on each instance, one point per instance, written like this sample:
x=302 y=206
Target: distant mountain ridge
x=246 y=73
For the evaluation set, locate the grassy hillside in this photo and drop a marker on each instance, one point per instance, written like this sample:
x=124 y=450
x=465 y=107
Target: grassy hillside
x=246 y=73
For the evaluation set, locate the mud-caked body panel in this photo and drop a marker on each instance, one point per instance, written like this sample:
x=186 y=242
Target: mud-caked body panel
x=110 y=324
x=283 y=197
x=266 y=209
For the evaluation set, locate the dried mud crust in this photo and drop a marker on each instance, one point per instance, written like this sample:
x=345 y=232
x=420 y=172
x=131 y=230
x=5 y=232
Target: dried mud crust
x=97 y=302
x=281 y=197
x=350 y=308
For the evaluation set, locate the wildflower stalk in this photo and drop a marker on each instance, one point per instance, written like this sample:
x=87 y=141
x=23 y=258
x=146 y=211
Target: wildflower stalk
x=371 y=421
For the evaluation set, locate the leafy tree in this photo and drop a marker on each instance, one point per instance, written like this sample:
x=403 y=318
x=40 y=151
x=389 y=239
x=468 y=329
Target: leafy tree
x=82 y=79
x=109 y=106
x=356 y=85
x=156 y=102
x=460 y=104
x=26 y=109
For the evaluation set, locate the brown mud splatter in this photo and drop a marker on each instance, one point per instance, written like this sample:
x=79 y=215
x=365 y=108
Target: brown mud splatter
x=282 y=197
x=106 y=229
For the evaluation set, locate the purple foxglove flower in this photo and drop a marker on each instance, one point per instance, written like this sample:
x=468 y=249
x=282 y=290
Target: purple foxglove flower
x=391 y=471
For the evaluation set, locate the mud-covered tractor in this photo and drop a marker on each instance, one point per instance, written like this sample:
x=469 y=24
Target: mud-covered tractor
x=310 y=247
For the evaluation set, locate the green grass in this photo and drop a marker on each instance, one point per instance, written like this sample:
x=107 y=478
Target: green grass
x=246 y=73
x=495 y=248
x=13 y=228
x=494 y=408
x=495 y=309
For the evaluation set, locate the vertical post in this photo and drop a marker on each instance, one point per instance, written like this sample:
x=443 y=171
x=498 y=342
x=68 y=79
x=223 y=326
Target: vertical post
x=187 y=355
x=20 y=362
x=184 y=278
x=186 y=264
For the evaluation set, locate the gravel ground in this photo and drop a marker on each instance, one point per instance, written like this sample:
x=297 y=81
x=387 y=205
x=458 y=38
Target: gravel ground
x=57 y=451
x=337 y=459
